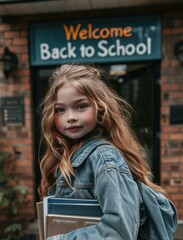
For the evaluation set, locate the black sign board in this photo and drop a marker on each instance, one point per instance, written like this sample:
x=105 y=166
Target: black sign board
x=176 y=114
x=13 y=111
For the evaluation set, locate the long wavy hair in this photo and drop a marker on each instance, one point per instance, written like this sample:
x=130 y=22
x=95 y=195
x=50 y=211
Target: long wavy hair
x=113 y=115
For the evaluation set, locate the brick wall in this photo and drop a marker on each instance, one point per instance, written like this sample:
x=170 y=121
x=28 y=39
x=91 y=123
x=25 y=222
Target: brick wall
x=19 y=138
x=172 y=94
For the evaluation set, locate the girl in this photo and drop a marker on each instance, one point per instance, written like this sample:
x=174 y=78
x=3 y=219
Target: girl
x=78 y=110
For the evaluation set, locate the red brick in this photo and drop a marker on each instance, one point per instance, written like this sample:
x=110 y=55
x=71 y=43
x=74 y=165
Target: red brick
x=176 y=96
x=20 y=41
x=19 y=49
x=23 y=34
x=173 y=189
x=175 y=63
x=177 y=30
x=170 y=87
x=171 y=159
x=166 y=31
x=5 y=27
x=11 y=34
x=24 y=57
x=176 y=136
x=23 y=72
x=165 y=64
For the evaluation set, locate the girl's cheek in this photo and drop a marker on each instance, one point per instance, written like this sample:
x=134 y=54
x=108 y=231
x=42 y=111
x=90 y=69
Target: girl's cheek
x=59 y=124
x=56 y=123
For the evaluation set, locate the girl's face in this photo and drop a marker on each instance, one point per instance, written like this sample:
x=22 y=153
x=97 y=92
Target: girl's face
x=74 y=113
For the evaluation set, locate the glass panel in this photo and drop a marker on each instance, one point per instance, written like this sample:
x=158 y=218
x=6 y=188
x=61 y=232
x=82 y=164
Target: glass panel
x=135 y=83
x=139 y=92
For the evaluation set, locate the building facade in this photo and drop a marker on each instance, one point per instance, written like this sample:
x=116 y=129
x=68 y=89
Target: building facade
x=147 y=73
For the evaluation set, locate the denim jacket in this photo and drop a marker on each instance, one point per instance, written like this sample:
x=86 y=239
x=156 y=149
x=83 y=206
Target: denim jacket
x=101 y=173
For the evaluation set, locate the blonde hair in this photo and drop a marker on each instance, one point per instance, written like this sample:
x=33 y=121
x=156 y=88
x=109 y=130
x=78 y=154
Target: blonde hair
x=113 y=116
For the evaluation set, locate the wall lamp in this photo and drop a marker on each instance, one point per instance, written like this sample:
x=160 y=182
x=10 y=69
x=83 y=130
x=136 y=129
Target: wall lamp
x=10 y=62
x=178 y=51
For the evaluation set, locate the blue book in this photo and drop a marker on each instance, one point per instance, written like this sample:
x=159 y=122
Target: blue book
x=52 y=199
x=76 y=207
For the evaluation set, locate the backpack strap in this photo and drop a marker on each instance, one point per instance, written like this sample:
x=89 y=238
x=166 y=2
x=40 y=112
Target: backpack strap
x=161 y=213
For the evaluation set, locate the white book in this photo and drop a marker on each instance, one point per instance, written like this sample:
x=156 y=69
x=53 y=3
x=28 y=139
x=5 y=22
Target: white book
x=62 y=224
x=45 y=212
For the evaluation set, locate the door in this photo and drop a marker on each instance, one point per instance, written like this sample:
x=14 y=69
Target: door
x=138 y=84
x=40 y=79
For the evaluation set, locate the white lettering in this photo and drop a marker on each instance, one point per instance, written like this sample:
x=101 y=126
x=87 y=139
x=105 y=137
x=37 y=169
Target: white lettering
x=111 y=53
x=89 y=51
x=45 y=54
x=149 y=46
x=62 y=55
x=82 y=49
x=71 y=50
x=141 y=49
x=120 y=50
x=104 y=49
x=55 y=53
x=130 y=49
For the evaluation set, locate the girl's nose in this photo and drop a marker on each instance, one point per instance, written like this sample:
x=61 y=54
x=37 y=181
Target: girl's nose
x=71 y=116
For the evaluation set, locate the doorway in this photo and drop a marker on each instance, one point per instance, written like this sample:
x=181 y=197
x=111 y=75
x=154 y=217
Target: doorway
x=139 y=85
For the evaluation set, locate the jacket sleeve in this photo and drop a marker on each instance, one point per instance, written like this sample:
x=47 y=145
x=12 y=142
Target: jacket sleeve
x=118 y=196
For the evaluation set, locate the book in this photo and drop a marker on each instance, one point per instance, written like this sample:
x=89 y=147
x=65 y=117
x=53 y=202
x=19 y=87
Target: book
x=40 y=218
x=76 y=207
x=61 y=224
x=62 y=215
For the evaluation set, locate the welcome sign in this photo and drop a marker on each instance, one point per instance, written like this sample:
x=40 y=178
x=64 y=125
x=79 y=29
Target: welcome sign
x=97 y=41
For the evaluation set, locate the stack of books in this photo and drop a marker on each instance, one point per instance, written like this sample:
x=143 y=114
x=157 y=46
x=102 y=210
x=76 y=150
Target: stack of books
x=62 y=215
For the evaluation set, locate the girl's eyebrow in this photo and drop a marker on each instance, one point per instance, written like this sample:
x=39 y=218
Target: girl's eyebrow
x=75 y=101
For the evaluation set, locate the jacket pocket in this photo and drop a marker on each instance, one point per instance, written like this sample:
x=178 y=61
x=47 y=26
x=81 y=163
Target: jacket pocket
x=83 y=190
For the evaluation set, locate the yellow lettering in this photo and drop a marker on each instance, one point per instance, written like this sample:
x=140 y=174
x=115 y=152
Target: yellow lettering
x=89 y=31
x=95 y=36
x=116 y=32
x=75 y=32
x=83 y=34
x=127 y=31
x=70 y=32
x=105 y=33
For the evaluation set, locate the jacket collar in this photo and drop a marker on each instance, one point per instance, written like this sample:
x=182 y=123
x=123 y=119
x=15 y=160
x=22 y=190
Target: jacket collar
x=82 y=153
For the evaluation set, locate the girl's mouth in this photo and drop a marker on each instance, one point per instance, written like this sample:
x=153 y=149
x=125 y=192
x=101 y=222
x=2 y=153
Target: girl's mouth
x=73 y=128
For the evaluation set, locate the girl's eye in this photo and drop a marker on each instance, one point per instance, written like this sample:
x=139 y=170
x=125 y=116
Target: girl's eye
x=82 y=106
x=59 y=110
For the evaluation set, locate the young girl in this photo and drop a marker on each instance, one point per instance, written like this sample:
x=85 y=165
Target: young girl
x=78 y=110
